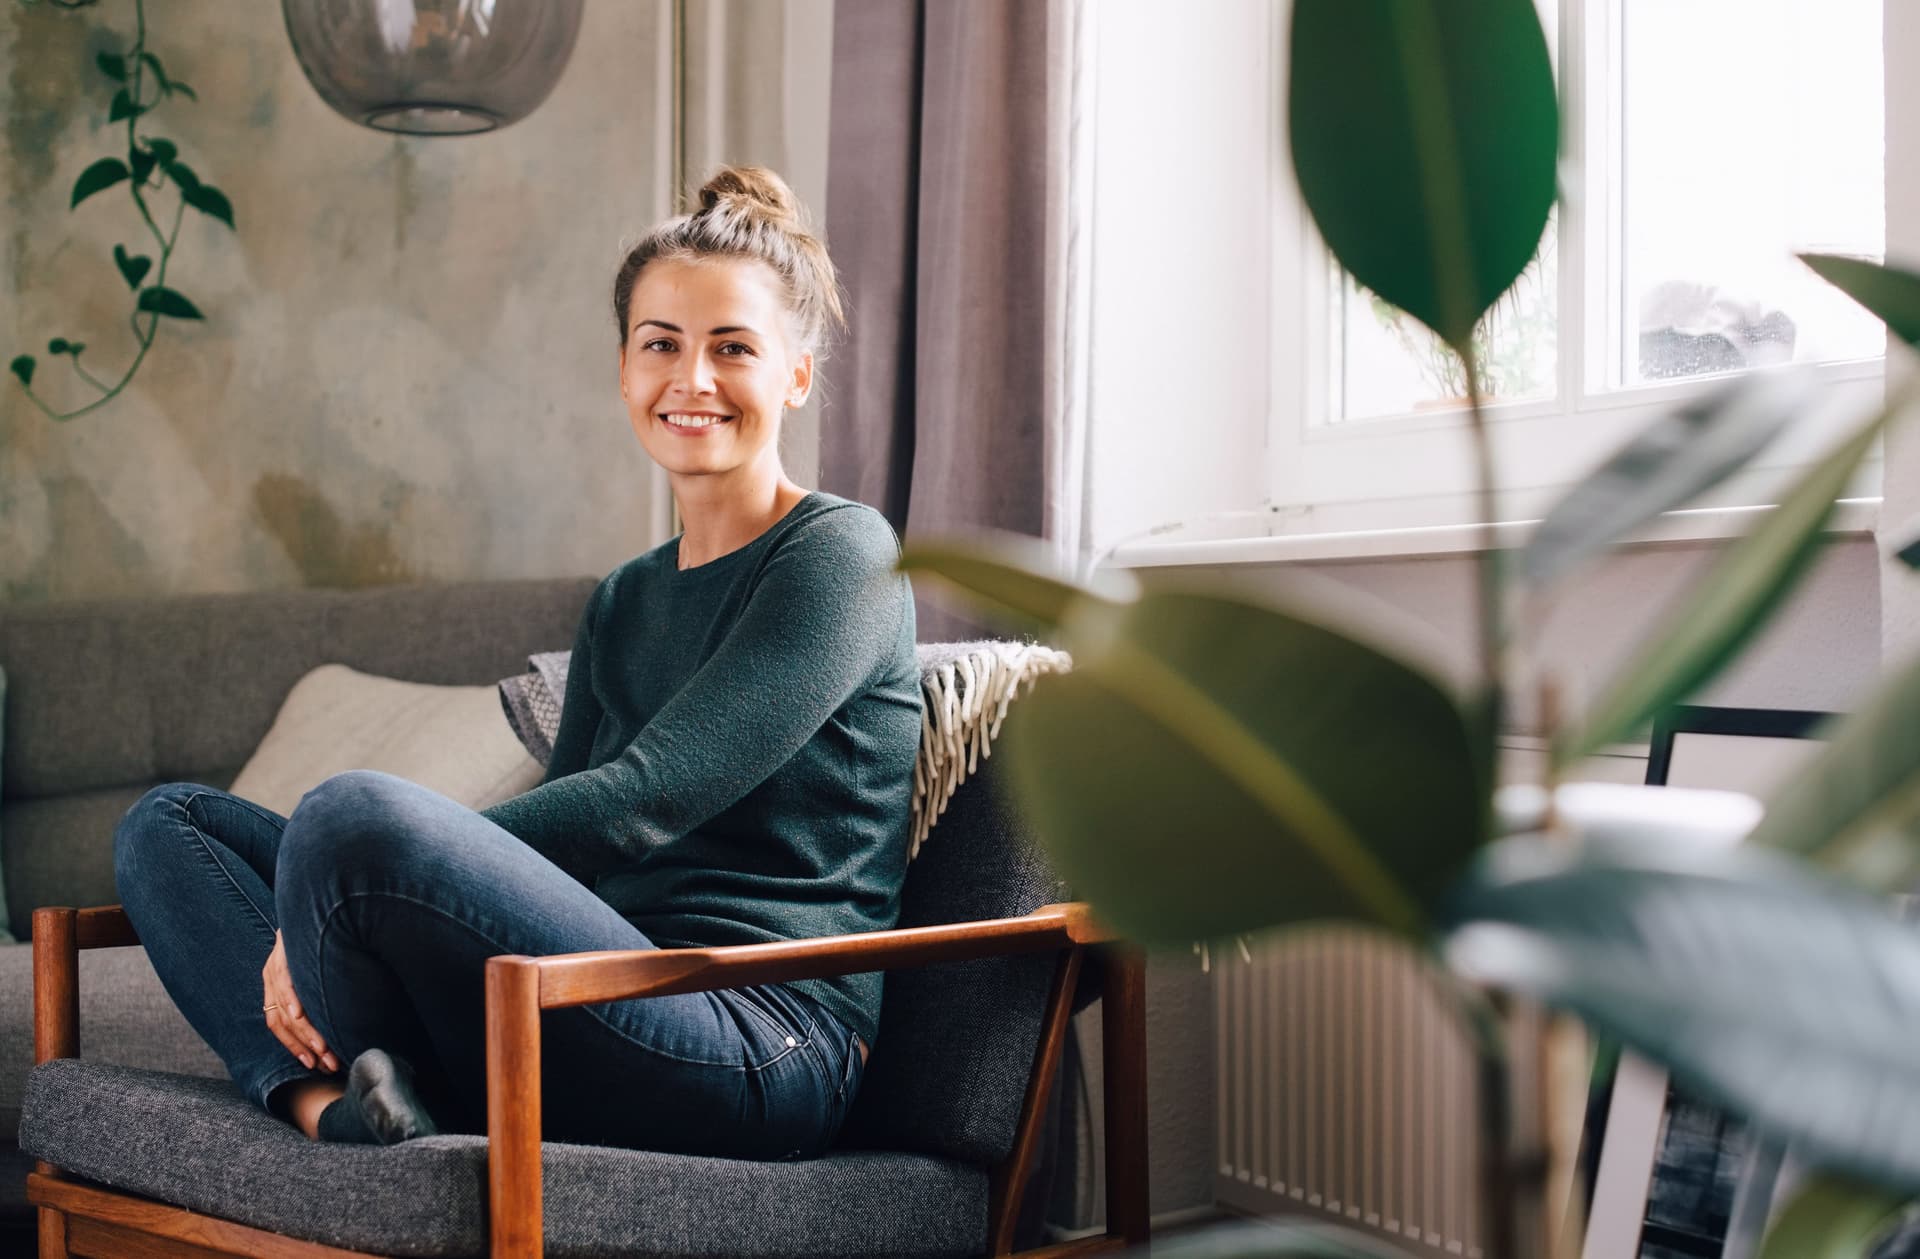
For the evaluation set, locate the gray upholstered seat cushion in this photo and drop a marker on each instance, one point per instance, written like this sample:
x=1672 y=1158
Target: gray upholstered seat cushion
x=197 y=1143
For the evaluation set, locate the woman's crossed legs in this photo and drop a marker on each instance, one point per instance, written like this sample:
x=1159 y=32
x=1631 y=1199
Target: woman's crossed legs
x=390 y=899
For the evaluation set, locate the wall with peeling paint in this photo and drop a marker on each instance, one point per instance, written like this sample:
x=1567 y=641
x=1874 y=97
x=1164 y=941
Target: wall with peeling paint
x=407 y=371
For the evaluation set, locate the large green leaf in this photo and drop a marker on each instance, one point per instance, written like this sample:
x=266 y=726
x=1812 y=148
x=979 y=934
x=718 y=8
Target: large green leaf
x=1855 y=807
x=1892 y=293
x=1425 y=135
x=22 y=366
x=1013 y=578
x=1787 y=998
x=1274 y=1239
x=1830 y=1217
x=1721 y=612
x=104 y=173
x=1212 y=766
x=1677 y=457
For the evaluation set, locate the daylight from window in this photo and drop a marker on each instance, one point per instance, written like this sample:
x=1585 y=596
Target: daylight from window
x=1737 y=133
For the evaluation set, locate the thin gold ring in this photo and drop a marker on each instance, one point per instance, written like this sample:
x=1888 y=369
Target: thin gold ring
x=265 y=1009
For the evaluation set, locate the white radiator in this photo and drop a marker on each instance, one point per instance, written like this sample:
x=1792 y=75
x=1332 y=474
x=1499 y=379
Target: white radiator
x=1346 y=1091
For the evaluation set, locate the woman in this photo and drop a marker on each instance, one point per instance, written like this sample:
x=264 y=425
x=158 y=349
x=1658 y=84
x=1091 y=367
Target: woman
x=734 y=764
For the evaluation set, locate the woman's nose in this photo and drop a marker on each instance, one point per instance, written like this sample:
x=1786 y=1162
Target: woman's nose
x=696 y=373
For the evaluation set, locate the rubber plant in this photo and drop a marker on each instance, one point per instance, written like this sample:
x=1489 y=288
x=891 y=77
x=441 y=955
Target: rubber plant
x=1216 y=765
x=147 y=167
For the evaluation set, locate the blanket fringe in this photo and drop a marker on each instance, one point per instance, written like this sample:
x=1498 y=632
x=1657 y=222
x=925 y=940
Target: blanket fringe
x=966 y=700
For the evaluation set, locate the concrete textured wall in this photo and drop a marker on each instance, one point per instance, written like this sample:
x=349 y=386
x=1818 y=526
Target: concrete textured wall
x=407 y=370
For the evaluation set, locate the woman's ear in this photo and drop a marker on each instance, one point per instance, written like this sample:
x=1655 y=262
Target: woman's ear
x=802 y=383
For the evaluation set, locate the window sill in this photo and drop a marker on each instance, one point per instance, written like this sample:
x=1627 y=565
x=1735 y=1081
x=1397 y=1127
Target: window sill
x=1234 y=540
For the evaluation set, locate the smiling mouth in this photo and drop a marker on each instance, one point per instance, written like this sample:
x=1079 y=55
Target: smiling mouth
x=692 y=423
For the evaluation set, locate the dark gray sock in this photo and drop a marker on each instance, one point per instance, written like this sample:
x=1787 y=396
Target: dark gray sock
x=341 y=1122
x=380 y=1106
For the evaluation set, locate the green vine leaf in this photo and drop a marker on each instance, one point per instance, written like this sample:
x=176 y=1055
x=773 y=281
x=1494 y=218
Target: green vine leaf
x=182 y=174
x=103 y=174
x=209 y=200
x=23 y=368
x=133 y=268
x=75 y=348
x=164 y=151
x=160 y=300
x=176 y=88
x=166 y=84
x=142 y=163
x=57 y=346
x=123 y=107
x=113 y=65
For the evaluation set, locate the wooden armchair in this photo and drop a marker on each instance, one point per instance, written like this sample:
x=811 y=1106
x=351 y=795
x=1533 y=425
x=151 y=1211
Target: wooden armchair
x=934 y=1159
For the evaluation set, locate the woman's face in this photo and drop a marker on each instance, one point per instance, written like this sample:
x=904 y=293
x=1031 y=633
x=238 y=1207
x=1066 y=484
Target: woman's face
x=706 y=369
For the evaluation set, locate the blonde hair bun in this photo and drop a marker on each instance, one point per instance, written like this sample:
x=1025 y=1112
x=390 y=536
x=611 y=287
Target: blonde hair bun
x=747 y=212
x=755 y=188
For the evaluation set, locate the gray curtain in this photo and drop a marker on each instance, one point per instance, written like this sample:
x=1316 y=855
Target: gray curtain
x=954 y=214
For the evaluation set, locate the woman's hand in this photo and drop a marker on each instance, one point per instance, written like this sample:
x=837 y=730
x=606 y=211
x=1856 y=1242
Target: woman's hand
x=285 y=1018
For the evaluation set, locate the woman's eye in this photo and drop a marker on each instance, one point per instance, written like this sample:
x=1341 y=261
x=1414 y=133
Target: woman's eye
x=659 y=345
x=734 y=349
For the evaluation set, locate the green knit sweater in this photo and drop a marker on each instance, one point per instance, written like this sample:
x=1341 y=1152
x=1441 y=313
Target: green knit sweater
x=735 y=756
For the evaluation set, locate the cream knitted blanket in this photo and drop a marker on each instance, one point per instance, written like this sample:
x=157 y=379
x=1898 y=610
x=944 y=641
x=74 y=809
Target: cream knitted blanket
x=968 y=688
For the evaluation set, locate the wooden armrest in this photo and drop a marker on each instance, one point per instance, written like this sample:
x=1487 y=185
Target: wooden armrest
x=101 y=927
x=59 y=933
x=570 y=979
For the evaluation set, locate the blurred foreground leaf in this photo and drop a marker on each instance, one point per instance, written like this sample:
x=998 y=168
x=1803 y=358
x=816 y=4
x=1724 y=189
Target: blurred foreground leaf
x=1425 y=135
x=1212 y=766
x=1666 y=465
x=1791 y=1000
x=1855 y=807
x=1892 y=293
x=1012 y=578
x=1721 y=612
x=1832 y=1218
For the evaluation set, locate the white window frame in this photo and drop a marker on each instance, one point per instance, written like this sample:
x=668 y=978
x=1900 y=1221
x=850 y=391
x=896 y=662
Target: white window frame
x=1413 y=474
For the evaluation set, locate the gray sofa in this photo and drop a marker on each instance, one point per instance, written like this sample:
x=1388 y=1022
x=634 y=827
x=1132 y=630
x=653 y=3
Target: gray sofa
x=106 y=699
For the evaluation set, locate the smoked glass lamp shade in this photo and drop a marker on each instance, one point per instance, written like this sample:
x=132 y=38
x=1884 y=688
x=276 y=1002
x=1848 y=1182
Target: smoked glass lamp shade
x=433 y=67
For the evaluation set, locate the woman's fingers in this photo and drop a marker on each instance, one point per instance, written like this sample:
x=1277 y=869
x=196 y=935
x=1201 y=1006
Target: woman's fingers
x=285 y=1019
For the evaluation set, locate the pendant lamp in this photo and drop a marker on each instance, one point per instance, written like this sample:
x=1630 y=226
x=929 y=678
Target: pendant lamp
x=432 y=67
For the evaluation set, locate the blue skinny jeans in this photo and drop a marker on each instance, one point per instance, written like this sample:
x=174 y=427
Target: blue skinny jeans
x=390 y=898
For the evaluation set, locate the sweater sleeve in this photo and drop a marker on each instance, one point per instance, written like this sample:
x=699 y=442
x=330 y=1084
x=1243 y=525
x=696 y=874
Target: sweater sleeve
x=825 y=614
x=580 y=711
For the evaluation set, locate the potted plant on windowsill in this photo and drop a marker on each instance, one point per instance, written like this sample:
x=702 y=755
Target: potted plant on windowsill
x=1216 y=766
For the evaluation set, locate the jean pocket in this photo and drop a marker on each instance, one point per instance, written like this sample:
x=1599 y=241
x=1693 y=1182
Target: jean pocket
x=778 y=1032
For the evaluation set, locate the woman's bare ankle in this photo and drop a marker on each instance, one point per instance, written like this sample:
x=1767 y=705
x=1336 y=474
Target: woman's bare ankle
x=303 y=1101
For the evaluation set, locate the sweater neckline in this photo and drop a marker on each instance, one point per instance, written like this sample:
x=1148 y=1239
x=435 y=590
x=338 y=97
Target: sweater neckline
x=723 y=563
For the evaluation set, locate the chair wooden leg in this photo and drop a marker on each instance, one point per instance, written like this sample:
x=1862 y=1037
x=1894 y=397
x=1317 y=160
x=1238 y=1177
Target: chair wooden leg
x=53 y=1234
x=1124 y=1042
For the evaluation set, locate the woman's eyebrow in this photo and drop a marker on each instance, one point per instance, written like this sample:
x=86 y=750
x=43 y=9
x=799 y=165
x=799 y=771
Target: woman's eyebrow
x=713 y=332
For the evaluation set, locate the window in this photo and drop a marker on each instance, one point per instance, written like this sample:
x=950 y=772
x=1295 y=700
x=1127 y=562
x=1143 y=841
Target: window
x=1707 y=141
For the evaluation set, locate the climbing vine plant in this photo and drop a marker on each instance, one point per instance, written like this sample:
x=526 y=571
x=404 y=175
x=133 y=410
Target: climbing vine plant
x=149 y=168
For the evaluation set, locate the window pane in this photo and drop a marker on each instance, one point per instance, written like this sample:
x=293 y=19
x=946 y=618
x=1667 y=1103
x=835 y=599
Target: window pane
x=1387 y=363
x=1750 y=129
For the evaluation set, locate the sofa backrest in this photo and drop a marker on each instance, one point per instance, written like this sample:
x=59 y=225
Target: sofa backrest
x=105 y=699
x=956 y=1044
